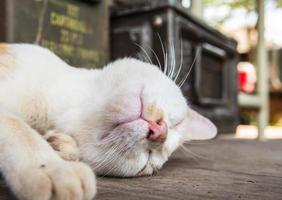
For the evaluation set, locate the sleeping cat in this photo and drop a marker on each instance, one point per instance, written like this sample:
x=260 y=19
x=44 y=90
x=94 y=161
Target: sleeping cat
x=125 y=120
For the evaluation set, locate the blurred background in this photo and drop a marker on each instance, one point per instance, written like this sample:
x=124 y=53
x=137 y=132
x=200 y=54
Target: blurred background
x=255 y=27
x=225 y=54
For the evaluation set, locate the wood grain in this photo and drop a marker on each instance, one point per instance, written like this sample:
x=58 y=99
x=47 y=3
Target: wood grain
x=224 y=169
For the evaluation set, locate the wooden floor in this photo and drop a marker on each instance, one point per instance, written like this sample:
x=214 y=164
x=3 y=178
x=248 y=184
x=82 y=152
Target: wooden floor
x=222 y=169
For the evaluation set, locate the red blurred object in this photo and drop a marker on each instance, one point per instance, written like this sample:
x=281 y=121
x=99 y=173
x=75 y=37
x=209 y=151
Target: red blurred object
x=247 y=77
x=242 y=79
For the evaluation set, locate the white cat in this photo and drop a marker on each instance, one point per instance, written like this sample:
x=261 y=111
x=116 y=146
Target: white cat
x=126 y=119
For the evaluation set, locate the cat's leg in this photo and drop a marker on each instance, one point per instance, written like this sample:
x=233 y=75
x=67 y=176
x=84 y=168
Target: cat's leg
x=34 y=171
x=63 y=144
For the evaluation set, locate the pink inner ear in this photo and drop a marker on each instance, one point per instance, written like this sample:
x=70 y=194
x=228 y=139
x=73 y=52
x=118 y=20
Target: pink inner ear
x=199 y=127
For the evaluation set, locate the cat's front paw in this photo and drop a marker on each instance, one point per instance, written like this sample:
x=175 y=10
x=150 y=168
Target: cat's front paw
x=56 y=181
x=63 y=144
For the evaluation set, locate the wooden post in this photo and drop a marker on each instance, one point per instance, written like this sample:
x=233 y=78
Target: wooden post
x=261 y=59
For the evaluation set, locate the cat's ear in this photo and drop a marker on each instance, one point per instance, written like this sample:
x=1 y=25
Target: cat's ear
x=198 y=127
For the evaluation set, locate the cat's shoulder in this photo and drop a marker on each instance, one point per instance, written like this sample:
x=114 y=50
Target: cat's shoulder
x=15 y=49
x=15 y=54
x=28 y=58
x=7 y=59
x=9 y=53
x=3 y=47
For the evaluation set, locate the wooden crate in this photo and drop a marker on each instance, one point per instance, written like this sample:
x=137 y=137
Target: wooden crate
x=75 y=30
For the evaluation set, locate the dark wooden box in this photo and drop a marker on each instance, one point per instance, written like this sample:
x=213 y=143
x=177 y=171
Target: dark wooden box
x=211 y=87
x=75 y=30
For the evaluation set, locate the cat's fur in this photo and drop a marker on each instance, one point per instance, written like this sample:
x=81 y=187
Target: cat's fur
x=108 y=112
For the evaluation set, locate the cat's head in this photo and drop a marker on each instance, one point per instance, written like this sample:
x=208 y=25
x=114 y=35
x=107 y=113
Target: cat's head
x=141 y=119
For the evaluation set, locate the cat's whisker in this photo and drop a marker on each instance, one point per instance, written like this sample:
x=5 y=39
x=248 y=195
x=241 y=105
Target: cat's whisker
x=110 y=155
x=113 y=155
x=181 y=62
x=159 y=63
x=166 y=59
x=170 y=62
x=145 y=52
x=174 y=62
x=143 y=58
x=88 y=145
x=163 y=50
x=112 y=167
x=106 y=159
x=105 y=163
x=170 y=59
x=113 y=159
x=117 y=153
x=195 y=143
x=191 y=67
x=186 y=150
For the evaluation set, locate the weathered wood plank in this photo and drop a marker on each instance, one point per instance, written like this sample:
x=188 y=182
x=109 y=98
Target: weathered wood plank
x=225 y=169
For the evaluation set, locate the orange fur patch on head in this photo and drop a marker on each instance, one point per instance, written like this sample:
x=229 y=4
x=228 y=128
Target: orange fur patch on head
x=3 y=48
x=7 y=60
x=153 y=113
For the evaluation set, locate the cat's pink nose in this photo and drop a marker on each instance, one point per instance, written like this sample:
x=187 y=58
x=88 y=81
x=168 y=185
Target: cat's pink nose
x=158 y=131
